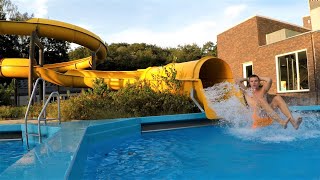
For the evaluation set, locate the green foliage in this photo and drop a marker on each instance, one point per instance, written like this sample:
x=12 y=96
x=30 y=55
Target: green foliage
x=138 y=100
x=85 y=107
x=170 y=80
x=135 y=100
x=209 y=49
x=55 y=51
x=6 y=91
x=123 y=56
x=9 y=112
x=11 y=45
x=99 y=88
x=132 y=101
x=167 y=78
x=79 y=53
x=186 y=53
x=18 y=46
x=7 y=9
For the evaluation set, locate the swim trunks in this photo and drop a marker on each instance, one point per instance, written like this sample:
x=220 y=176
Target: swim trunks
x=260 y=121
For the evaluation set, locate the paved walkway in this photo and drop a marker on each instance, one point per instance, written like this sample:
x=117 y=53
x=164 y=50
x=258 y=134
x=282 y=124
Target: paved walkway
x=12 y=121
x=20 y=121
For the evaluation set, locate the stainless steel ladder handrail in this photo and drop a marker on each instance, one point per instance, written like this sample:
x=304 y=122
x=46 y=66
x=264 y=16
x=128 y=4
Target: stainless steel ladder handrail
x=43 y=111
x=29 y=105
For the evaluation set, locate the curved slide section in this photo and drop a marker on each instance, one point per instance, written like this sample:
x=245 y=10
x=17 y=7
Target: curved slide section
x=66 y=66
x=19 y=68
x=9 y=65
x=57 y=30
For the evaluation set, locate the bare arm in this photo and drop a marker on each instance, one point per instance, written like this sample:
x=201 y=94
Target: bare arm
x=239 y=82
x=268 y=83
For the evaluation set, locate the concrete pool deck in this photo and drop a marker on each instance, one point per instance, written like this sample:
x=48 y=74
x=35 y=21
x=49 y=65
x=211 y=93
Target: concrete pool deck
x=56 y=157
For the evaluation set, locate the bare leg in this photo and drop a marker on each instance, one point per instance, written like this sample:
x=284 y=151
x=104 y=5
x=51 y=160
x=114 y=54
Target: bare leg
x=278 y=102
x=264 y=105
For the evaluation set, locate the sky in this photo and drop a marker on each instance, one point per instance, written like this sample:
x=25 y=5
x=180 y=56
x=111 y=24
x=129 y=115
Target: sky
x=165 y=23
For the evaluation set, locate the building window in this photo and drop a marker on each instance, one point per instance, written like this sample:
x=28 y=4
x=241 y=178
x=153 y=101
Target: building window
x=247 y=70
x=292 y=72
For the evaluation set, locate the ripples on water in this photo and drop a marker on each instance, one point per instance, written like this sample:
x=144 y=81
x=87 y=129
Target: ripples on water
x=237 y=118
x=10 y=152
x=232 y=150
x=154 y=155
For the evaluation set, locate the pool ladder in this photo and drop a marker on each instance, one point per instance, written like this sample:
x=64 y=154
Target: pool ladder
x=42 y=115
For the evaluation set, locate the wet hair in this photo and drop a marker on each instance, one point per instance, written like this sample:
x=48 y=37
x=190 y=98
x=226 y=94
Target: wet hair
x=252 y=76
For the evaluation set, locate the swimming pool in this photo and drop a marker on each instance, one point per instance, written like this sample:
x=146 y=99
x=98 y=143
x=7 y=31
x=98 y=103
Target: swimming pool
x=10 y=152
x=210 y=152
x=64 y=155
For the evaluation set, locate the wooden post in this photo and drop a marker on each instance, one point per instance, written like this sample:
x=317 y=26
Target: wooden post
x=31 y=58
x=34 y=40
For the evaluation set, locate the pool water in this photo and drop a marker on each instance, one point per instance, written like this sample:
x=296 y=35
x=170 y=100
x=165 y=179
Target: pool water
x=210 y=152
x=10 y=152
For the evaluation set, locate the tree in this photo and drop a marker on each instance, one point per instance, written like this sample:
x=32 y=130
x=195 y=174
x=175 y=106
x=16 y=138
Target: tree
x=126 y=57
x=9 y=44
x=18 y=46
x=55 y=51
x=185 y=53
x=7 y=9
x=79 y=53
x=6 y=90
x=9 y=47
x=209 y=49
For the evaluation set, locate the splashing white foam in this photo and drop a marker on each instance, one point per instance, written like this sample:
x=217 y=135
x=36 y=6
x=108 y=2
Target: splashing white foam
x=227 y=105
x=237 y=118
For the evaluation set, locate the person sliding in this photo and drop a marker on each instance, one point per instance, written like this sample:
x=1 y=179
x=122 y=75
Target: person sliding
x=264 y=113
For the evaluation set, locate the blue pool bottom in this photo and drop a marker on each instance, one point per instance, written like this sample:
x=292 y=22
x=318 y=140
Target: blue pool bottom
x=201 y=153
x=10 y=152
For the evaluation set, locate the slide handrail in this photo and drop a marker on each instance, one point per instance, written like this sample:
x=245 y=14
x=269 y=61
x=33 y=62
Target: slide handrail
x=192 y=91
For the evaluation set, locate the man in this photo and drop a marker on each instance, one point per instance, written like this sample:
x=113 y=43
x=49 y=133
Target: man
x=263 y=112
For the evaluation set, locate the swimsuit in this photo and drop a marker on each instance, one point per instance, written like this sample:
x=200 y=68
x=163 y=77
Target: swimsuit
x=260 y=121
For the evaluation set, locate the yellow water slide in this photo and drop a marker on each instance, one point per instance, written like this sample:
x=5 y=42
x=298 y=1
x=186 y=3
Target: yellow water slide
x=19 y=68
x=193 y=75
x=57 y=30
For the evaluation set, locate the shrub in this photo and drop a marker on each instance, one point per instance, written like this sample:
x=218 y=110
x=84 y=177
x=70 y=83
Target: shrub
x=6 y=90
x=99 y=88
x=10 y=112
x=140 y=100
x=85 y=107
x=135 y=100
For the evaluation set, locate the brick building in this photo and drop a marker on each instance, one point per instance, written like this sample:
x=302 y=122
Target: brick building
x=287 y=53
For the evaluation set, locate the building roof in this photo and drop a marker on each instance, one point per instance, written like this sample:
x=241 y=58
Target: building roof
x=259 y=16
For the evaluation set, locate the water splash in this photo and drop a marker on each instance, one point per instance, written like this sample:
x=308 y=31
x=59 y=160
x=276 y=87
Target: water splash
x=237 y=118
